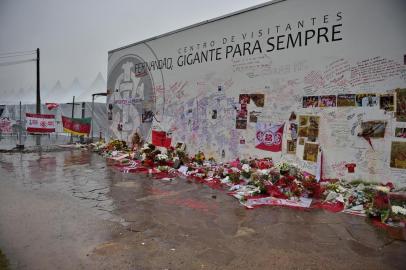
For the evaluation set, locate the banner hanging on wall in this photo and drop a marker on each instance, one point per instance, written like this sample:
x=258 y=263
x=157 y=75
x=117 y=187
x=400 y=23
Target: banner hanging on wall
x=5 y=125
x=76 y=126
x=269 y=137
x=160 y=138
x=40 y=123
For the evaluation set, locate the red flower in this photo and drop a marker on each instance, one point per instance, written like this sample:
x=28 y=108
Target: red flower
x=389 y=185
x=381 y=200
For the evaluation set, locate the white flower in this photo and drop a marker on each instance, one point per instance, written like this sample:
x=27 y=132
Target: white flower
x=263 y=172
x=399 y=210
x=246 y=168
x=283 y=166
x=161 y=157
x=145 y=147
x=225 y=180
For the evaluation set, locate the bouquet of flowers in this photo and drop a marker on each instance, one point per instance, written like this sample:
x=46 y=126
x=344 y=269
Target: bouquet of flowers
x=379 y=206
x=234 y=175
x=163 y=168
x=283 y=168
x=199 y=158
x=182 y=155
x=161 y=159
x=117 y=145
x=246 y=171
x=260 y=180
x=290 y=186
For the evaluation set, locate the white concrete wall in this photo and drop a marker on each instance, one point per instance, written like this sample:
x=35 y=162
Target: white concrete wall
x=367 y=56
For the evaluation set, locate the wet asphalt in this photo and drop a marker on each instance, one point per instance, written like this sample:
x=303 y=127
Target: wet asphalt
x=69 y=210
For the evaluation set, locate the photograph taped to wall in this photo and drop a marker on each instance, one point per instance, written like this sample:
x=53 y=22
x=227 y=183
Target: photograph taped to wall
x=241 y=124
x=293 y=130
x=258 y=99
x=327 y=101
x=311 y=151
x=312 y=134
x=242 y=115
x=401 y=105
x=303 y=132
x=303 y=120
x=291 y=146
x=314 y=122
x=373 y=129
x=400 y=132
x=398 y=155
x=366 y=100
x=386 y=102
x=346 y=100
x=244 y=99
x=147 y=116
x=254 y=116
x=310 y=101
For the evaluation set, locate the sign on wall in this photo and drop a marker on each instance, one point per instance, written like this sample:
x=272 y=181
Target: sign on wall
x=40 y=123
x=216 y=83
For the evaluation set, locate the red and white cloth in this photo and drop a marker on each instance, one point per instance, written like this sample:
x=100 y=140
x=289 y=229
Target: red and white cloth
x=269 y=137
x=40 y=123
x=52 y=106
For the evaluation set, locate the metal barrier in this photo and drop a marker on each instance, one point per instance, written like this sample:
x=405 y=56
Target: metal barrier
x=10 y=140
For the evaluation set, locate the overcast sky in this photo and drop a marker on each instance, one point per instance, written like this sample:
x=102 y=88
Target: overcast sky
x=74 y=36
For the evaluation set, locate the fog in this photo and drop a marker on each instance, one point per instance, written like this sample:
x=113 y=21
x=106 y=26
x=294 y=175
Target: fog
x=75 y=36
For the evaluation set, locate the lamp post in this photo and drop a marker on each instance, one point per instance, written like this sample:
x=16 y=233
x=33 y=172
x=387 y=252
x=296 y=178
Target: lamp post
x=38 y=98
x=103 y=94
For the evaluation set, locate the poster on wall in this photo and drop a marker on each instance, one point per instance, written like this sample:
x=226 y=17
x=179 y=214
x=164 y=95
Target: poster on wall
x=366 y=100
x=386 y=102
x=327 y=101
x=258 y=99
x=244 y=99
x=291 y=146
x=242 y=114
x=40 y=123
x=398 y=155
x=373 y=129
x=309 y=127
x=269 y=137
x=346 y=100
x=303 y=124
x=401 y=105
x=147 y=116
x=310 y=101
x=313 y=130
x=254 y=116
x=400 y=132
x=311 y=151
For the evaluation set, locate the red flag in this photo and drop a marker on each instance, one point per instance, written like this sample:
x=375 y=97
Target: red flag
x=76 y=126
x=52 y=106
x=160 y=138
x=40 y=123
x=269 y=137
